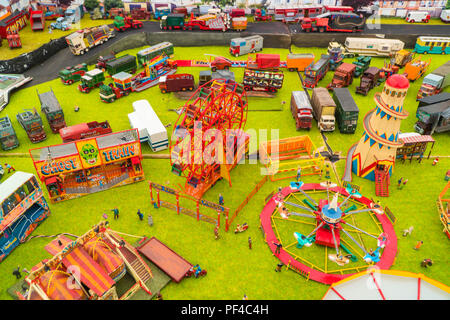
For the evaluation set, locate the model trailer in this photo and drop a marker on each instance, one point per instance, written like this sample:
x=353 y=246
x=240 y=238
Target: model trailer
x=126 y=63
x=82 y=40
x=176 y=82
x=299 y=62
x=52 y=110
x=373 y=46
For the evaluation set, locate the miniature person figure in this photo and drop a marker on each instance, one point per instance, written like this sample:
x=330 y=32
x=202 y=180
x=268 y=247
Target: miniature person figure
x=279 y=265
x=221 y=202
x=216 y=232
x=327 y=172
x=140 y=214
x=426 y=263
x=404 y=182
x=116 y=213
x=418 y=245
x=245 y=297
x=299 y=174
x=279 y=246
x=9 y=167
x=420 y=158
x=76 y=108
x=435 y=161
x=407 y=232
x=150 y=220
x=159 y=296
x=399 y=183
x=16 y=273
x=404 y=158
x=250 y=243
x=105 y=216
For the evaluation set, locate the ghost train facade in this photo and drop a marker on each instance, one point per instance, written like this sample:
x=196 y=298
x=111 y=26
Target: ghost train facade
x=78 y=168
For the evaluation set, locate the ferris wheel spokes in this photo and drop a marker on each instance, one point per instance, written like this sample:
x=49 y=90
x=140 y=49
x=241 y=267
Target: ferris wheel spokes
x=356 y=242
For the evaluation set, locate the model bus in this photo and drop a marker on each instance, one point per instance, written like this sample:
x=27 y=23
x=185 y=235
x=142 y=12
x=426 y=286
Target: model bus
x=147 y=54
x=438 y=45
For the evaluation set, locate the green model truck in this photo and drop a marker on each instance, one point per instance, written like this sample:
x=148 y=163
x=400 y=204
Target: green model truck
x=347 y=111
x=91 y=79
x=73 y=74
x=8 y=137
x=172 y=21
x=31 y=122
x=126 y=63
x=362 y=64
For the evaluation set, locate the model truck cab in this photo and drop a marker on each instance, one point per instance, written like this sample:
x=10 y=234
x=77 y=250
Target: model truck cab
x=8 y=137
x=176 y=82
x=70 y=75
x=301 y=110
x=220 y=63
x=343 y=76
x=347 y=111
x=418 y=16
x=84 y=130
x=368 y=81
x=431 y=85
x=91 y=79
x=324 y=108
x=32 y=124
x=241 y=46
x=161 y=12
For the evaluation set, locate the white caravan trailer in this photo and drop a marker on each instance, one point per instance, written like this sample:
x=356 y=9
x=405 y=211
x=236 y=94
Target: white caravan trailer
x=373 y=46
x=149 y=126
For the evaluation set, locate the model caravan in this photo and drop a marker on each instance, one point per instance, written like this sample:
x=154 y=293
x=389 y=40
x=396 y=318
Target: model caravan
x=373 y=46
x=149 y=126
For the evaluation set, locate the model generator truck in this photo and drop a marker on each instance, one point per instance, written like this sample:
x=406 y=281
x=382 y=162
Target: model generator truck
x=31 y=122
x=52 y=110
x=73 y=74
x=343 y=77
x=91 y=80
x=347 y=111
x=8 y=137
x=402 y=57
x=324 y=109
x=368 y=80
x=82 y=40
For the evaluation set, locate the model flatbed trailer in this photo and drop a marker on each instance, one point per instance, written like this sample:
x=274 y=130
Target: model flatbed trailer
x=52 y=110
x=82 y=40
x=334 y=22
x=315 y=72
x=373 y=46
x=150 y=128
x=8 y=137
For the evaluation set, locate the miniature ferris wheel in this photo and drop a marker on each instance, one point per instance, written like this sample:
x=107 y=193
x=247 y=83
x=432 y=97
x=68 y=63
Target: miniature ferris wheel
x=211 y=123
x=328 y=232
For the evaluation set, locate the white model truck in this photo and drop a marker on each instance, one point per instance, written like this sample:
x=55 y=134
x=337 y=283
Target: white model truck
x=241 y=46
x=82 y=40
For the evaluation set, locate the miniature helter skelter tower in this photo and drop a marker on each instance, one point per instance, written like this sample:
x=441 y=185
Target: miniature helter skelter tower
x=208 y=140
x=374 y=155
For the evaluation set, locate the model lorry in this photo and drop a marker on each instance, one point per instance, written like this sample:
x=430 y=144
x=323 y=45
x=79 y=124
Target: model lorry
x=347 y=111
x=433 y=118
x=91 y=80
x=324 y=108
x=416 y=68
x=220 y=22
x=241 y=46
x=37 y=20
x=8 y=137
x=263 y=61
x=343 y=76
x=334 y=22
x=402 y=57
x=361 y=63
x=60 y=24
x=435 y=82
x=368 y=80
x=73 y=74
x=418 y=16
x=301 y=110
x=82 y=40
x=52 y=110
x=31 y=122
x=316 y=71
x=74 y=13
x=220 y=63
x=262 y=80
x=299 y=61
x=261 y=15
x=84 y=131
x=176 y=82
x=172 y=21
x=122 y=24
x=126 y=63
x=102 y=60
x=161 y=12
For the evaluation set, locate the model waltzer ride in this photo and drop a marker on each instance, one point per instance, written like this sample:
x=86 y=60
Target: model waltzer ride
x=335 y=233
x=208 y=139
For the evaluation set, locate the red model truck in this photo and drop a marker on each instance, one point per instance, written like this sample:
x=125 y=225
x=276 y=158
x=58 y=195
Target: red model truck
x=84 y=130
x=176 y=82
x=37 y=20
x=343 y=77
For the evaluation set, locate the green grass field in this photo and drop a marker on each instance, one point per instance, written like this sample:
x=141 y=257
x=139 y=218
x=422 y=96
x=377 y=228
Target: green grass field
x=233 y=269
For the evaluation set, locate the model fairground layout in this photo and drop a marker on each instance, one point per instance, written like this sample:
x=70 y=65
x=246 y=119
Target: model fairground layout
x=224 y=150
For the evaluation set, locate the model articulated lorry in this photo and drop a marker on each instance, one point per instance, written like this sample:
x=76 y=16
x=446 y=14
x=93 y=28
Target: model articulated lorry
x=73 y=74
x=324 y=109
x=122 y=24
x=435 y=82
x=82 y=40
x=343 y=76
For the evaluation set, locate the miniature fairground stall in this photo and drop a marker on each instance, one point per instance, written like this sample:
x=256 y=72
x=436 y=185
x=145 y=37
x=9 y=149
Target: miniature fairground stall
x=414 y=145
x=86 y=166
x=22 y=209
x=99 y=265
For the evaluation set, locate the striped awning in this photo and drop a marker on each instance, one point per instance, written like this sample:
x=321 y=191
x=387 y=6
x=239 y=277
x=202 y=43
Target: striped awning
x=416 y=138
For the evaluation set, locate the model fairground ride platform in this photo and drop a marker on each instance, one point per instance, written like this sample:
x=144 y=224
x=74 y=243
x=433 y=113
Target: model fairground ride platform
x=327 y=233
x=74 y=169
x=88 y=267
x=211 y=122
x=375 y=284
x=443 y=204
